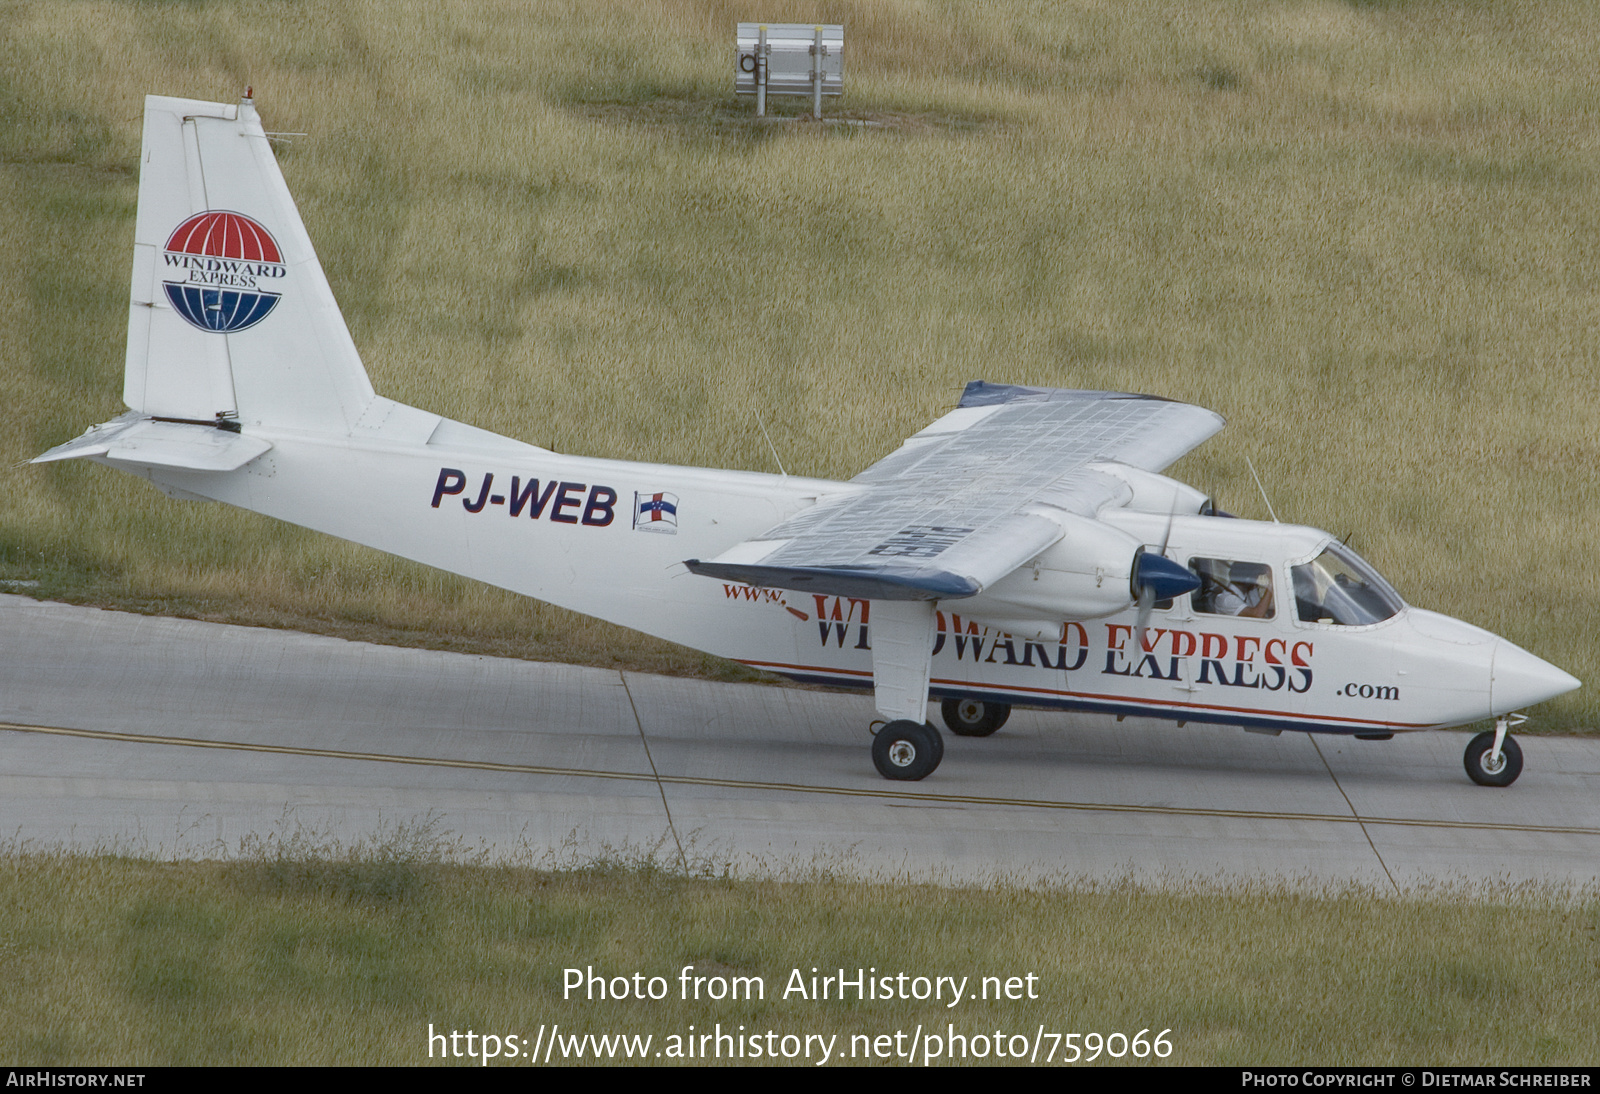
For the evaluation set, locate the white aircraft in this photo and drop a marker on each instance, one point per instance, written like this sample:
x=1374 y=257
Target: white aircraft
x=1021 y=550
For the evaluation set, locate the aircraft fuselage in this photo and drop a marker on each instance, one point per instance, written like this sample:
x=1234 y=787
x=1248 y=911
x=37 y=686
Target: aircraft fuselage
x=595 y=536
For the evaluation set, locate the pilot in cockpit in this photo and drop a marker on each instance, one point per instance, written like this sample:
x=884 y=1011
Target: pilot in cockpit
x=1233 y=588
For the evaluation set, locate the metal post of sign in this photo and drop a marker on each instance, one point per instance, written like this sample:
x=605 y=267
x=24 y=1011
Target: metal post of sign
x=800 y=59
x=817 y=50
x=761 y=75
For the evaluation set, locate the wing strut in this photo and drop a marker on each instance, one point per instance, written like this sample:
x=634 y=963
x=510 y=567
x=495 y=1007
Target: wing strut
x=902 y=650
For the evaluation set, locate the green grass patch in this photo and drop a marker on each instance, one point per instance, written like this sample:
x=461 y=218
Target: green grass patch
x=305 y=951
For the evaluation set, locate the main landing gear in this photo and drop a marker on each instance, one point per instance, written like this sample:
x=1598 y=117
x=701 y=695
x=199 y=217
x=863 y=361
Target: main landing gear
x=907 y=751
x=974 y=717
x=1494 y=758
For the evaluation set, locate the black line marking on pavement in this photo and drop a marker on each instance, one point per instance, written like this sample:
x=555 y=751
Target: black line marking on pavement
x=651 y=760
x=1329 y=767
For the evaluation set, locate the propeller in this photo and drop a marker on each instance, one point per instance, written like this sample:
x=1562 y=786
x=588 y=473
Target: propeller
x=1157 y=577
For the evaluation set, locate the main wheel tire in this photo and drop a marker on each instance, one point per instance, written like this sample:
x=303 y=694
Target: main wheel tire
x=974 y=717
x=907 y=750
x=1479 y=769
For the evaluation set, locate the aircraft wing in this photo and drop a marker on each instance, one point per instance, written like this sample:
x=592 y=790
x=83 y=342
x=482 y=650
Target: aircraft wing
x=969 y=499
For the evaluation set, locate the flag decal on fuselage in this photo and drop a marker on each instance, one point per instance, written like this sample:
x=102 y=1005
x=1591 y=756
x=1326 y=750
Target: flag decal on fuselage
x=656 y=512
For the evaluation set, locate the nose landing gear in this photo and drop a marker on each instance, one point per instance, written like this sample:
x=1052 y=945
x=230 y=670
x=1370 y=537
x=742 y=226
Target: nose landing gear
x=1494 y=758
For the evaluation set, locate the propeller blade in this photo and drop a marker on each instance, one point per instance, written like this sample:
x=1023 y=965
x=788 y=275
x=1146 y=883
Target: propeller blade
x=1166 y=536
x=1147 y=601
x=1156 y=573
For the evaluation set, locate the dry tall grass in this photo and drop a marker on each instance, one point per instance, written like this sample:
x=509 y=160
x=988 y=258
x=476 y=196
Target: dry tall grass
x=347 y=959
x=1363 y=231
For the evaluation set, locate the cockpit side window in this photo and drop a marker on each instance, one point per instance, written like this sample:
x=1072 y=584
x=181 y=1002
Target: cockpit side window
x=1339 y=587
x=1233 y=588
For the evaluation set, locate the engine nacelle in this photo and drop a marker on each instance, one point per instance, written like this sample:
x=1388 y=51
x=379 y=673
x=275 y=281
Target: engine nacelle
x=1086 y=575
x=1153 y=493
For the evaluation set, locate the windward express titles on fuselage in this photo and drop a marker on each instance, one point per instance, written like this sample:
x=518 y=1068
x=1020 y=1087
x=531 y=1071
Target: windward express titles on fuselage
x=1210 y=659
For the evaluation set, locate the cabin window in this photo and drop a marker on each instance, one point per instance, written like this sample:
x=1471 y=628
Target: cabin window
x=1233 y=588
x=1339 y=587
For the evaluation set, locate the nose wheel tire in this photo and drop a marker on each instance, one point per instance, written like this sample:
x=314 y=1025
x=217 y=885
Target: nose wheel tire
x=1481 y=766
x=974 y=717
x=907 y=750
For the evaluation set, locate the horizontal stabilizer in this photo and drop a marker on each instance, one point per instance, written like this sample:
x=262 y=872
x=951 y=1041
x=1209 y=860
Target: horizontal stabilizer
x=143 y=442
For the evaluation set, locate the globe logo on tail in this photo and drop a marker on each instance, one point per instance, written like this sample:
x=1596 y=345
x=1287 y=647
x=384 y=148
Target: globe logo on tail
x=221 y=271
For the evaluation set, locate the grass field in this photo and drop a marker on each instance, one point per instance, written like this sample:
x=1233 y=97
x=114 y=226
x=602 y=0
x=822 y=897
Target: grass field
x=346 y=955
x=1365 y=232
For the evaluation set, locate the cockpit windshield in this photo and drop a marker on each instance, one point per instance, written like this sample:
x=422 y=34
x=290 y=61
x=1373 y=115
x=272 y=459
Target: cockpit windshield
x=1339 y=587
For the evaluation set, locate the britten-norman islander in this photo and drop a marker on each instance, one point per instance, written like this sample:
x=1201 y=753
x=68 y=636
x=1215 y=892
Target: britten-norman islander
x=1024 y=549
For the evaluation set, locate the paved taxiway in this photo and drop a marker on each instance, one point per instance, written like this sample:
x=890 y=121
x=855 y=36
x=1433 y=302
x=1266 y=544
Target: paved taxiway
x=173 y=737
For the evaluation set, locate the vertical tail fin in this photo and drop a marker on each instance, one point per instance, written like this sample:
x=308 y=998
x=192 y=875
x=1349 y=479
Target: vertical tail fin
x=231 y=315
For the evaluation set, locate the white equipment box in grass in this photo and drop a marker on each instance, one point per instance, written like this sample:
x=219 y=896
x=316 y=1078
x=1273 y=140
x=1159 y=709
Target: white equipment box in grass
x=789 y=59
